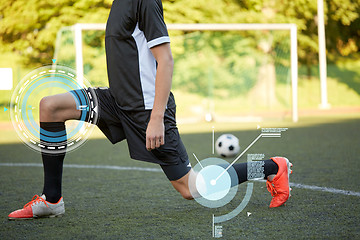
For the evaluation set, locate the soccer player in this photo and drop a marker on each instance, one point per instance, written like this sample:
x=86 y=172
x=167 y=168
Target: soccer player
x=139 y=107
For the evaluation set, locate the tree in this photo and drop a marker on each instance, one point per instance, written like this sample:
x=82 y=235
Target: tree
x=29 y=27
x=342 y=20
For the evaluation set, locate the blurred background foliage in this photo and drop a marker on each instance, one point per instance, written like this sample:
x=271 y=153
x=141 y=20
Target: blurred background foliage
x=28 y=31
x=29 y=27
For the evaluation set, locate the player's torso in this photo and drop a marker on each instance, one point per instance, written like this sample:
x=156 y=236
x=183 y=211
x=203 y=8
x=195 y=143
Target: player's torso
x=122 y=53
x=130 y=63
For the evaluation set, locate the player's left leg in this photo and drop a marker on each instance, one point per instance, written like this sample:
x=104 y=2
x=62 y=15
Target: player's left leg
x=54 y=111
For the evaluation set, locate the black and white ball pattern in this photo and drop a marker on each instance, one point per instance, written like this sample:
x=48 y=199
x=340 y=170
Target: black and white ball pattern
x=227 y=145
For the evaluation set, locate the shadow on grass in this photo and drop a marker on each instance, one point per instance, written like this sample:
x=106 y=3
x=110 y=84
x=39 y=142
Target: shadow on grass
x=346 y=75
x=349 y=77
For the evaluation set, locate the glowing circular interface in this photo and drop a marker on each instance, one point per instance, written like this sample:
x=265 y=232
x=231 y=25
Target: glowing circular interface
x=24 y=109
x=215 y=182
x=209 y=186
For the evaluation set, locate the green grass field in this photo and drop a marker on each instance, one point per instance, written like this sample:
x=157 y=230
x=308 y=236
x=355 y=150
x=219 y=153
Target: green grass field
x=133 y=204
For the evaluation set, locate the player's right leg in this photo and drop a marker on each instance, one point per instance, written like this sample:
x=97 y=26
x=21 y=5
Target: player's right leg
x=54 y=111
x=276 y=170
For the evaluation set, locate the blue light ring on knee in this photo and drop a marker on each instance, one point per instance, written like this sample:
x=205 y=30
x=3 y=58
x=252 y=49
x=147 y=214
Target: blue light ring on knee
x=24 y=122
x=27 y=116
x=60 y=84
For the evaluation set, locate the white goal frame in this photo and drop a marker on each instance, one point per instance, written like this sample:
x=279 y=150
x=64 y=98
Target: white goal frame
x=79 y=27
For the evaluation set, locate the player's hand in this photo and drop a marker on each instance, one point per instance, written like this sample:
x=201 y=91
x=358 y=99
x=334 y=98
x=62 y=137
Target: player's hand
x=155 y=136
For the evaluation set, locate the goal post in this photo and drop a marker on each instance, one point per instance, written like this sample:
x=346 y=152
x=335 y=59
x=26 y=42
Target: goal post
x=80 y=27
x=257 y=26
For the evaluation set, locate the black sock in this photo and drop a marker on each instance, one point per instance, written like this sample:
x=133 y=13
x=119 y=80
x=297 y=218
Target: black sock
x=53 y=164
x=265 y=168
x=270 y=167
x=241 y=171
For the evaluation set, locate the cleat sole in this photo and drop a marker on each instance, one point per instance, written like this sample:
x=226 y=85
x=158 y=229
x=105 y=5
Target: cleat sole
x=17 y=219
x=22 y=219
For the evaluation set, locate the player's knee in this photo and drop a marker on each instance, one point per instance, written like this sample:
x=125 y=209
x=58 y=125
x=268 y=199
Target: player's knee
x=186 y=195
x=48 y=107
x=45 y=104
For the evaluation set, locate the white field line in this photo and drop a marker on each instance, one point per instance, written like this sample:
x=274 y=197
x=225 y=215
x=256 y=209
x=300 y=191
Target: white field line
x=112 y=167
x=325 y=189
x=84 y=166
x=322 y=189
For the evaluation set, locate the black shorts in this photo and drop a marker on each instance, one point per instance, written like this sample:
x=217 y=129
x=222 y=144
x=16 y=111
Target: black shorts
x=118 y=125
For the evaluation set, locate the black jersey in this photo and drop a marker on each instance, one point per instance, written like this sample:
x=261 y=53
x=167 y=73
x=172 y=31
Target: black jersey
x=133 y=27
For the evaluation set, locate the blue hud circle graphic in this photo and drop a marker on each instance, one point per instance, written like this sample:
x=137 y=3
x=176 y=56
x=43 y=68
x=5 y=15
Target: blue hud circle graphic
x=24 y=109
x=215 y=186
x=212 y=189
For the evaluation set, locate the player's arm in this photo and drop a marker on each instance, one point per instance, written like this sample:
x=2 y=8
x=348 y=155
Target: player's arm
x=155 y=133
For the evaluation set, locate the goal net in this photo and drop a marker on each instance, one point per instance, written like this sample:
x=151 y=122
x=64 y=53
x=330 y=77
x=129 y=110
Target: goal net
x=223 y=72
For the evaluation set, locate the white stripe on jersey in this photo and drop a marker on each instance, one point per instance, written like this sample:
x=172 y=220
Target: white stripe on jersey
x=158 y=41
x=147 y=68
x=147 y=64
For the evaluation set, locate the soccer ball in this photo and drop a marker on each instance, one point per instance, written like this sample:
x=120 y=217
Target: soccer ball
x=227 y=145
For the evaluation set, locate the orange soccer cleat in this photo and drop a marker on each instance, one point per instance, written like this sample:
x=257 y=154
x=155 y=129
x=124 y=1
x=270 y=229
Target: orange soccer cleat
x=39 y=207
x=279 y=187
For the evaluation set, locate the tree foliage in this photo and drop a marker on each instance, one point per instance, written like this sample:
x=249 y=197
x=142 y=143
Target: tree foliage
x=225 y=61
x=342 y=20
x=29 y=27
